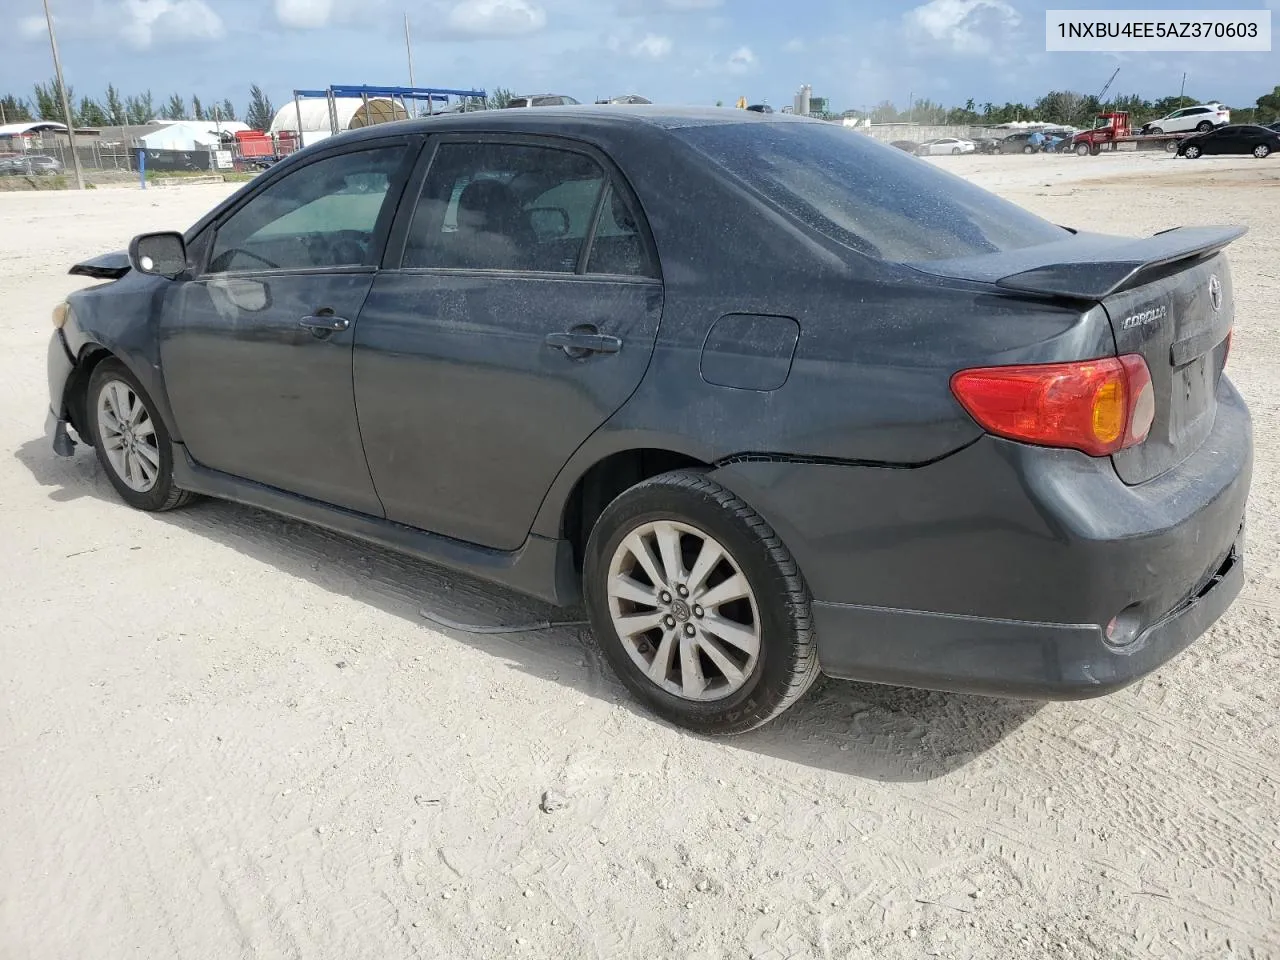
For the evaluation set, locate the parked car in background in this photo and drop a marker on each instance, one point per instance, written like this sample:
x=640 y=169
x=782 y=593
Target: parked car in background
x=1274 y=126
x=1238 y=140
x=900 y=430
x=906 y=146
x=1201 y=118
x=626 y=99
x=1016 y=143
x=760 y=108
x=543 y=100
x=986 y=145
x=944 y=146
x=31 y=164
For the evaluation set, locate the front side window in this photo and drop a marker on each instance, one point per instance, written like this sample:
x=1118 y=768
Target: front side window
x=503 y=206
x=870 y=198
x=321 y=215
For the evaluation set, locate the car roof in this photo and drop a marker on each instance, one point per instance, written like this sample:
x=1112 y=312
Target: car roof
x=583 y=117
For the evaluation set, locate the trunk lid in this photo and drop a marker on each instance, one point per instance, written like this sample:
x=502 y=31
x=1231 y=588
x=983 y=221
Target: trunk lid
x=1167 y=297
x=1179 y=324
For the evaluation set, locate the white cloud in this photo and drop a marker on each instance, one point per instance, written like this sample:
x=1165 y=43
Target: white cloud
x=148 y=22
x=795 y=45
x=966 y=27
x=652 y=46
x=497 y=17
x=304 y=14
x=741 y=60
x=34 y=28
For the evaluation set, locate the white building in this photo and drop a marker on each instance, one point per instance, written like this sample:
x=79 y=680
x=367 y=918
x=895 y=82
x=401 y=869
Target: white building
x=351 y=113
x=190 y=134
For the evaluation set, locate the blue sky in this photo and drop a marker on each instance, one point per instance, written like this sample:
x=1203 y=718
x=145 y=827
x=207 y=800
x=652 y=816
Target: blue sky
x=678 y=51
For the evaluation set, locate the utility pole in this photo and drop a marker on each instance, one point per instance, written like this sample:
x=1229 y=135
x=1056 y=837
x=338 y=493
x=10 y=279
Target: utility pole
x=408 y=49
x=1181 y=90
x=62 y=94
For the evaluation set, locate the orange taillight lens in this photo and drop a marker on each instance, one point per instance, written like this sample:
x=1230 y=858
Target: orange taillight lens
x=1096 y=406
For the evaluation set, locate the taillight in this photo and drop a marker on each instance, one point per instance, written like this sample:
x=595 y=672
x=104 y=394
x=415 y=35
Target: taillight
x=1097 y=406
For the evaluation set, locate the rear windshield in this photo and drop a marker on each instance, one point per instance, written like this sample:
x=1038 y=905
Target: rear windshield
x=867 y=195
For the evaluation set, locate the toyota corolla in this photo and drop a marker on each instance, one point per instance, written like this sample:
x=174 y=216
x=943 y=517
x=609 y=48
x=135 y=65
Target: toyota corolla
x=767 y=397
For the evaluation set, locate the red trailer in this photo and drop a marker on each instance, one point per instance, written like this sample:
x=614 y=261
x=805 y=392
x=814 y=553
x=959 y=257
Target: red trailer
x=1112 y=131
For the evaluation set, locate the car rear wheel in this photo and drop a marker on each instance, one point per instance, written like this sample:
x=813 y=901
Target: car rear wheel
x=698 y=605
x=1204 y=126
x=1028 y=149
x=1192 y=152
x=131 y=441
x=1171 y=146
x=1156 y=131
x=1262 y=151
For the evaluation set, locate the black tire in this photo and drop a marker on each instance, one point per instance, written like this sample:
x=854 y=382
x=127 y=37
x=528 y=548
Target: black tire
x=1028 y=149
x=1155 y=131
x=787 y=663
x=1204 y=126
x=1171 y=146
x=164 y=494
x=1262 y=151
x=955 y=151
x=1192 y=152
x=1082 y=149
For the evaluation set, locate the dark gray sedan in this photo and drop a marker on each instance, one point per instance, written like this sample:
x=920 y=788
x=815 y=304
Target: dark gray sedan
x=767 y=396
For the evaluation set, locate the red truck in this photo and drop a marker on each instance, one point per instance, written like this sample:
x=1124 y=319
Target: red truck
x=1111 y=130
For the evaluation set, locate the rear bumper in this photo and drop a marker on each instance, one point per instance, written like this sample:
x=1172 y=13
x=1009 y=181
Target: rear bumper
x=998 y=569
x=1011 y=658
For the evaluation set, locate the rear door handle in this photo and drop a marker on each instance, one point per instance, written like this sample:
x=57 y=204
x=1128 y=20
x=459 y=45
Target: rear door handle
x=325 y=324
x=581 y=341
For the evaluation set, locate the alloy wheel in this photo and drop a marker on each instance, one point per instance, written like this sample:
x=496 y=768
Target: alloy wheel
x=684 y=611
x=1193 y=152
x=128 y=436
x=1261 y=151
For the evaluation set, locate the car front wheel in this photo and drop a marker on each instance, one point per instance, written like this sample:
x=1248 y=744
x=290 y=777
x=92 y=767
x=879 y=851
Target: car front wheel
x=1192 y=152
x=698 y=605
x=1262 y=151
x=131 y=440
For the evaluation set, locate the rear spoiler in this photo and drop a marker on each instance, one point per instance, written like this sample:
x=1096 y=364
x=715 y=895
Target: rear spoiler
x=109 y=266
x=1086 y=266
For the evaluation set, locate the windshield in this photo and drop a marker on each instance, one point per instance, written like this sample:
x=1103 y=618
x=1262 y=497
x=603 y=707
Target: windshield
x=867 y=195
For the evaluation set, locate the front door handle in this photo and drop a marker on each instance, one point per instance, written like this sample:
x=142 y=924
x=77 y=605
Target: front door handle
x=582 y=341
x=324 y=324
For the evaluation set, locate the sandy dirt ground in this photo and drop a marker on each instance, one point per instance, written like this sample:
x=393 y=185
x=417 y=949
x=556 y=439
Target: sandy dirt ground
x=223 y=734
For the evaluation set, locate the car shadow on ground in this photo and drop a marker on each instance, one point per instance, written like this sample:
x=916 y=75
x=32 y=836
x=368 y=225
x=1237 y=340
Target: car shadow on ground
x=862 y=730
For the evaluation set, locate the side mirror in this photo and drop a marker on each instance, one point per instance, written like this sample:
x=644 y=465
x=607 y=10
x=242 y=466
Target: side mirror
x=159 y=254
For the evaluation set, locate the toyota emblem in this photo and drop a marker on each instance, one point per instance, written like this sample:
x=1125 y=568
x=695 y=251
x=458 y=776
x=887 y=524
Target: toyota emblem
x=1215 y=293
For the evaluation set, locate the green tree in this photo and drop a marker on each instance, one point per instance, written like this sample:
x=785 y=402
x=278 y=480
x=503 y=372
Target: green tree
x=499 y=99
x=197 y=109
x=140 y=110
x=176 y=108
x=48 y=101
x=1268 y=106
x=260 y=112
x=91 y=114
x=228 y=110
x=114 y=106
x=15 y=110
x=884 y=112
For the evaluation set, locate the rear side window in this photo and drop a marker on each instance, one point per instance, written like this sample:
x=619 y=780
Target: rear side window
x=868 y=196
x=520 y=207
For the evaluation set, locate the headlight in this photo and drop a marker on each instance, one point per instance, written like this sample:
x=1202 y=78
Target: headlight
x=60 y=314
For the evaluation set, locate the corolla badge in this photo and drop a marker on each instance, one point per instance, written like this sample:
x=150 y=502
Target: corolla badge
x=1215 y=292
x=1144 y=317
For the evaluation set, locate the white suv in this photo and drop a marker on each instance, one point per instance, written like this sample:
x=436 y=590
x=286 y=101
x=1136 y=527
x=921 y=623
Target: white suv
x=1204 y=116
